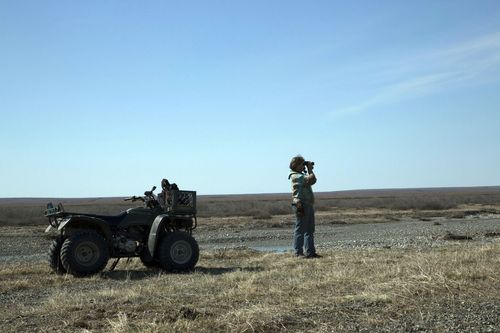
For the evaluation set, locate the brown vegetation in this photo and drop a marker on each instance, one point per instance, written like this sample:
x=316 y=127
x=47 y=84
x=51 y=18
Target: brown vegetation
x=454 y=288
x=457 y=201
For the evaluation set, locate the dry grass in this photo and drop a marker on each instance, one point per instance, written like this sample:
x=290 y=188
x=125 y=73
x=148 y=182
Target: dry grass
x=248 y=291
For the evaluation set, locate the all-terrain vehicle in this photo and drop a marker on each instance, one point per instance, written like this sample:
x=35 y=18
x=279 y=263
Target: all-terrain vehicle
x=160 y=237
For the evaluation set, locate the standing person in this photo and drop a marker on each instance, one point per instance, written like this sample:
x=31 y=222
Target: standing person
x=302 y=177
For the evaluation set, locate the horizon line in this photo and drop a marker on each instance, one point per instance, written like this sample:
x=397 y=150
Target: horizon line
x=273 y=193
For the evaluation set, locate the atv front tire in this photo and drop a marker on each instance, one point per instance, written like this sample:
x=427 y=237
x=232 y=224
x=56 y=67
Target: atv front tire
x=55 y=255
x=84 y=253
x=149 y=262
x=178 y=251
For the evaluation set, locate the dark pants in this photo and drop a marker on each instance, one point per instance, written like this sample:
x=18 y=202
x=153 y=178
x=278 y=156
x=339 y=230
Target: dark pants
x=303 y=234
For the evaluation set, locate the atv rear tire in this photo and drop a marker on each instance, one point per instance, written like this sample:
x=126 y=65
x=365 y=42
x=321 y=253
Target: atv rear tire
x=178 y=251
x=84 y=253
x=55 y=255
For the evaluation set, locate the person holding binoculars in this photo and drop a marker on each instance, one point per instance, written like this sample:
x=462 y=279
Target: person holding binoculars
x=302 y=177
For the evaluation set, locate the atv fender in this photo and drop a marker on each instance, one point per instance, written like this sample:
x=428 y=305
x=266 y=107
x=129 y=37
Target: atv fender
x=154 y=233
x=86 y=222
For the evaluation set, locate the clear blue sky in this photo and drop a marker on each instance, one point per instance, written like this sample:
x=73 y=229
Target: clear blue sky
x=105 y=98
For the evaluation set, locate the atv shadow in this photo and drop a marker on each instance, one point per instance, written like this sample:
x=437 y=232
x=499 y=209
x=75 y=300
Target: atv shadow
x=224 y=270
x=132 y=275
x=146 y=274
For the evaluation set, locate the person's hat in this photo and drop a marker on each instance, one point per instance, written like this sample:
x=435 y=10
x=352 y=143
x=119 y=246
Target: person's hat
x=296 y=162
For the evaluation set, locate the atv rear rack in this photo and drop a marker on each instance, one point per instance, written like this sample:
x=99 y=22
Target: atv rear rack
x=182 y=203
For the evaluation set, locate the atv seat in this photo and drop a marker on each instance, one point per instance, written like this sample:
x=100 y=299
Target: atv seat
x=113 y=219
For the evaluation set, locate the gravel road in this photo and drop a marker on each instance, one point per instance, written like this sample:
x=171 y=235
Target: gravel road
x=30 y=244
x=391 y=234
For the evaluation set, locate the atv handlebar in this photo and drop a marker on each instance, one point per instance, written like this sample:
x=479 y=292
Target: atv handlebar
x=148 y=199
x=134 y=198
x=150 y=193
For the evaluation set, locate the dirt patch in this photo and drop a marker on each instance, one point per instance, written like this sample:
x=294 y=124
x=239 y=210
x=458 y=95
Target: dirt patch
x=451 y=236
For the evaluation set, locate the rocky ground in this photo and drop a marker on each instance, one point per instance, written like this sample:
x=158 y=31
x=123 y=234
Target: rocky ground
x=399 y=234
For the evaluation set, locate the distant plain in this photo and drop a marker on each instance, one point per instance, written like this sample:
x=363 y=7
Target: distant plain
x=451 y=202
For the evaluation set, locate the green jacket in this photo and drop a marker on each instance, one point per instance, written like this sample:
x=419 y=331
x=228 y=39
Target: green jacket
x=301 y=187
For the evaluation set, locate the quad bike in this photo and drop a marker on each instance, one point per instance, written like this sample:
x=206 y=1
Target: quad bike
x=160 y=237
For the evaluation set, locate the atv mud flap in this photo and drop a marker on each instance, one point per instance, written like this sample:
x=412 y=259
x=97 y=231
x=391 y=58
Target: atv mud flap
x=154 y=232
x=59 y=227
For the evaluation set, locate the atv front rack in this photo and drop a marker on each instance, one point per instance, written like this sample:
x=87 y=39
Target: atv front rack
x=53 y=213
